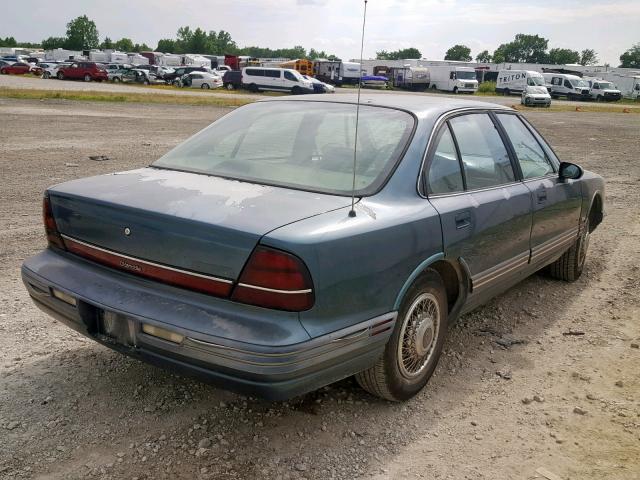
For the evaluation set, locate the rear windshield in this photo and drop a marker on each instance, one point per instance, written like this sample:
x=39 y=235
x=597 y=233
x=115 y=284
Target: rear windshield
x=303 y=145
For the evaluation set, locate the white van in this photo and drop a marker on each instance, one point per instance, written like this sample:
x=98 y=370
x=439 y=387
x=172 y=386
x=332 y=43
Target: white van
x=603 y=90
x=515 y=81
x=565 y=85
x=276 y=79
x=451 y=78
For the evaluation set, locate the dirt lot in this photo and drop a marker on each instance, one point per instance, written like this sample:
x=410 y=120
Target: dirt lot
x=558 y=404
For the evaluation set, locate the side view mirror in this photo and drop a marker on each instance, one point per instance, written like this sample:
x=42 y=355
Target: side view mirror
x=569 y=171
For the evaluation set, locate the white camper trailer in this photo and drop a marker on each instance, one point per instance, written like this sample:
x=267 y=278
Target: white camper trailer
x=136 y=59
x=60 y=55
x=99 y=56
x=170 y=60
x=337 y=72
x=196 y=61
x=118 y=57
x=412 y=78
x=453 y=78
x=515 y=81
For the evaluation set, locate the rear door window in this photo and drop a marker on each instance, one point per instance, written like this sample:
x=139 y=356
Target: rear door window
x=484 y=156
x=445 y=175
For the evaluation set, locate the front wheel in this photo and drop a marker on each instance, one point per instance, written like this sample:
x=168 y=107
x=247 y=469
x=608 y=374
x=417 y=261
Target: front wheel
x=253 y=88
x=570 y=265
x=87 y=78
x=455 y=90
x=60 y=76
x=229 y=86
x=46 y=75
x=205 y=86
x=413 y=350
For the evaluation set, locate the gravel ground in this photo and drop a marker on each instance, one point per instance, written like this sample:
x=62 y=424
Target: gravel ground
x=514 y=396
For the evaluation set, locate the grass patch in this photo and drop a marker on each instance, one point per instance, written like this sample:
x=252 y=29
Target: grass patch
x=121 y=97
x=487 y=88
x=599 y=108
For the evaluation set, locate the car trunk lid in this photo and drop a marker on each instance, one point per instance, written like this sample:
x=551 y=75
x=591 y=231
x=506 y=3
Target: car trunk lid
x=187 y=221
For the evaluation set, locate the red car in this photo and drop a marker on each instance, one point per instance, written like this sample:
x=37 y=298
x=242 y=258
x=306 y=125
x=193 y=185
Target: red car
x=17 y=68
x=86 y=71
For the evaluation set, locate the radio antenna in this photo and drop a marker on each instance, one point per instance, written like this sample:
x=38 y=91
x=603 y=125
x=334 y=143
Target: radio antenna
x=352 y=212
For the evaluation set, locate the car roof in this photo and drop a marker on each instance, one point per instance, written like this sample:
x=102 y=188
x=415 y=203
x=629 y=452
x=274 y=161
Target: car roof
x=420 y=105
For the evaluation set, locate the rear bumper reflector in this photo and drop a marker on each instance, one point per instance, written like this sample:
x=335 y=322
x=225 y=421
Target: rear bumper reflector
x=219 y=287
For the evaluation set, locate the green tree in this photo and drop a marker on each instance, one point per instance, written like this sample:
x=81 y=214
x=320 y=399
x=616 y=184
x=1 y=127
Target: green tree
x=141 y=47
x=124 y=45
x=524 y=48
x=166 y=45
x=483 y=57
x=52 y=43
x=107 y=44
x=563 y=56
x=402 y=54
x=8 y=42
x=631 y=58
x=82 y=34
x=588 y=57
x=459 y=52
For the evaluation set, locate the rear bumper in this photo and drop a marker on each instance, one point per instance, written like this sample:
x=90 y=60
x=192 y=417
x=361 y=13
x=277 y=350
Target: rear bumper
x=272 y=370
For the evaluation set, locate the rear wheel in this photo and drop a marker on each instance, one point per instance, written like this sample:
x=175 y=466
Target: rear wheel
x=46 y=75
x=60 y=76
x=205 y=86
x=87 y=78
x=116 y=79
x=599 y=98
x=569 y=266
x=229 y=86
x=413 y=350
x=253 y=88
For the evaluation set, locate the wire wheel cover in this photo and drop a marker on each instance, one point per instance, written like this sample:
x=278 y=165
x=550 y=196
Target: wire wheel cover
x=418 y=335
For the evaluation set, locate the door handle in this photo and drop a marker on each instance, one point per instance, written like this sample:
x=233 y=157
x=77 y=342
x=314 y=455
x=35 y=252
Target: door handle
x=463 y=220
x=542 y=195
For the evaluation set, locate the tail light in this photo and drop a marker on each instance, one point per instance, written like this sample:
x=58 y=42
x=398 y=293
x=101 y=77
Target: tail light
x=53 y=236
x=275 y=279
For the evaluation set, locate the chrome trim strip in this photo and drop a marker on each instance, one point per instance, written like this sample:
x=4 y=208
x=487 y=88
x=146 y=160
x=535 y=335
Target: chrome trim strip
x=273 y=290
x=492 y=276
x=146 y=262
x=342 y=337
x=555 y=243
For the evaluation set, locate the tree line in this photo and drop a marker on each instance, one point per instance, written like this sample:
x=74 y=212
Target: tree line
x=82 y=34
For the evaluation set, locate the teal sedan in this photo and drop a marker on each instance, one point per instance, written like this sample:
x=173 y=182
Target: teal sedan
x=273 y=253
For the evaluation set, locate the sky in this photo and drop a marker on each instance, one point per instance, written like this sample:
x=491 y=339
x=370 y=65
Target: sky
x=335 y=26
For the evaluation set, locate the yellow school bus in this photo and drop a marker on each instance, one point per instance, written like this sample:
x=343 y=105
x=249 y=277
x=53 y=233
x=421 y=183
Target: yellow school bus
x=305 y=67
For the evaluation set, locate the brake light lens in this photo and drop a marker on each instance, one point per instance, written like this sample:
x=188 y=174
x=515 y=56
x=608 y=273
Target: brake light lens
x=275 y=279
x=51 y=229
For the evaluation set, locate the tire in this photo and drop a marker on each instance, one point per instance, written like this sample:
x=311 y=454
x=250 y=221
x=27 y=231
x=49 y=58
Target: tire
x=205 y=86
x=570 y=265
x=599 y=98
x=116 y=80
x=46 y=75
x=253 y=88
x=60 y=76
x=229 y=86
x=455 y=90
x=146 y=82
x=296 y=90
x=396 y=377
x=87 y=78
x=507 y=92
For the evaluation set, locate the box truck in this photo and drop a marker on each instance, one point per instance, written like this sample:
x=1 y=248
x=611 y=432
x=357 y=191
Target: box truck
x=453 y=78
x=515 y=81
